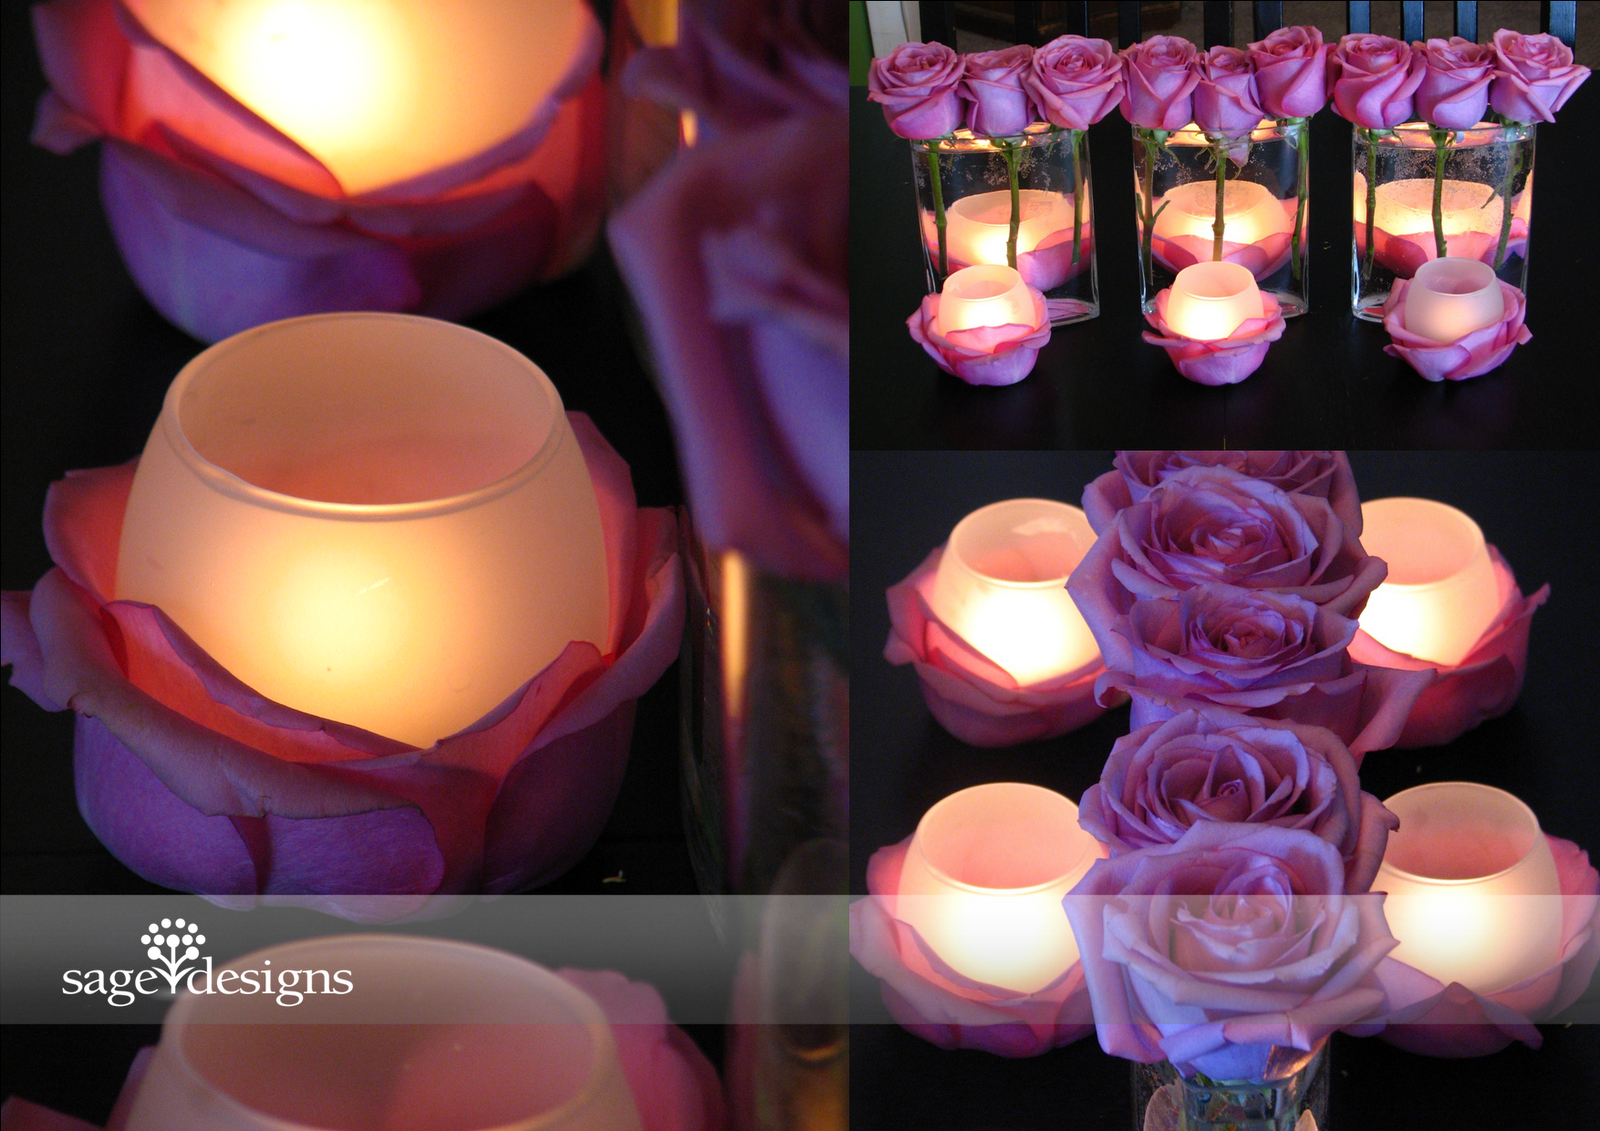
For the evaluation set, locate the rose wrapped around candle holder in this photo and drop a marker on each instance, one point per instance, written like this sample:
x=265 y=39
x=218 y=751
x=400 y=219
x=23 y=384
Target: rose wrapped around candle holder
x=202 y=782
x=996 y=338
x=1471 y=354
x=1216 y=361
x=262 y=161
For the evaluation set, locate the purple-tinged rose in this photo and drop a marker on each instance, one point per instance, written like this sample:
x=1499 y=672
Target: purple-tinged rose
x=1471 y=355
x=1374 y=80
x=1324 y=474
x=1269 y=654
x=1225 y=100
x=1214 y=524
x=1228 y=951
x=1223 y=361
x=1454 y=92
x=1534 y=76
x=1292 y=72
x=943 y=1006
x=1075 y=81
x=998 y=105
x=1214 y=765
x=982 y=355
x=1484 y=685
x=1158 y=82
x=917 y=84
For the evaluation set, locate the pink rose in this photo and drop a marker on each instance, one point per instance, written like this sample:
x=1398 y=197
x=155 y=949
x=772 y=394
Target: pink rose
x=736 y=257
x=1226 y=361
x=1212 y=765
x=1075 y=81
x=1471 y=355
x=1374 y=78
x=917 y=84
x=1534 y=76
x=982 y=355
x=225 y=223
x=197 y=783
x=1232 y=944
x=1292 y=72
x=998 y=104
x=971 y=696
x=1484 y=685
x=1225 y=101
x=942 y=1006
x=1274 y=655
x=1454 y=92
x=1437 y=1020
x=1326 y=475
x=1158 y=82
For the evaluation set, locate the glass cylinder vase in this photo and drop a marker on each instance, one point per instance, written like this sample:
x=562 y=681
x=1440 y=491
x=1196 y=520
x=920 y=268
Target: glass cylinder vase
x=1421 y=193
x=1297 y=1100
x=1201 y=197
x=1022 y=201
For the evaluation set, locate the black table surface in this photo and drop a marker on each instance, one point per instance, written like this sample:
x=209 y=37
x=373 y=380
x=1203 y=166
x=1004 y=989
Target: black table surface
x=1326 y=383
x=1543 y=512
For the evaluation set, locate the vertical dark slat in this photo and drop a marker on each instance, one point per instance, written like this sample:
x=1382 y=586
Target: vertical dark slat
x=1560 y=19
x=1360 y=16
x=1269 y=17
x=1127 y=22
x=938 y=22
x=1411 y=21
x=1026 y=17
x=1467 y=20
x=1218 y=23
x=1077 y=20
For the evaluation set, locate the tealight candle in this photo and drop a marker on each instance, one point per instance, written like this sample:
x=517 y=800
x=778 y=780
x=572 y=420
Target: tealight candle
x=979 y=226
x=985 y=295
x=430 y=1035
x=1440 y=593
x=1471 y=886
x=1250 y=213
x=1001 y=585
x=984 y=879
x=1448 y=298
x=1404 y=208
x=377 y=519
x=1209 y=301
x=380 y=94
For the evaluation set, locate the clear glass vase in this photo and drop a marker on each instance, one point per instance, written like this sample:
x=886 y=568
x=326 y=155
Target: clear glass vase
x=968 y=213
x=1184 y=178
x=1421 y=193
x=1297 y=1100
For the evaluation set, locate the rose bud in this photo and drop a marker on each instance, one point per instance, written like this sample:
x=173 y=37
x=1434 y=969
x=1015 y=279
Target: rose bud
x=1374 y=79
x=1534 y=76
x=1454 y=92
x=917 y=85
x=1075 y=81
x=1292 y=72
x=1158 y=82
x=998 y=104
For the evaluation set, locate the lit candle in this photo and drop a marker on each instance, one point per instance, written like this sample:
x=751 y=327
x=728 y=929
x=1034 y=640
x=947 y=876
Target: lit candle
x=407 y=1034
x=377 y=519
x=986 y=295
x=1441 y=592
x=979 y=226
x=984 y=879
x=1450 y=297
x=378 y=93
x=1471 y=885
x=1209 y=301
x=1001 y=586
x=1250 y=213
x=1404 y=209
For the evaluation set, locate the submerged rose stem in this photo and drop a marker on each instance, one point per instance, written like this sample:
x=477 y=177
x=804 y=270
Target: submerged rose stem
x=1010 y=150
x=1077 y=190
x=938 y=206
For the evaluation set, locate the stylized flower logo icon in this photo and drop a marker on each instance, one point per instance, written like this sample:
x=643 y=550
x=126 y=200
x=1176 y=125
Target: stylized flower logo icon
x=172 y=934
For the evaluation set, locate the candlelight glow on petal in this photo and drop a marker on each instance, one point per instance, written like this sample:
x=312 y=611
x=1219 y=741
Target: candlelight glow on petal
x=979 y=226
x=1250 y=213
x=1405 y=207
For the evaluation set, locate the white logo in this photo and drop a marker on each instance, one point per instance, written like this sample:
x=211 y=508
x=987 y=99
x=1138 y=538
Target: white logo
x=171 y=959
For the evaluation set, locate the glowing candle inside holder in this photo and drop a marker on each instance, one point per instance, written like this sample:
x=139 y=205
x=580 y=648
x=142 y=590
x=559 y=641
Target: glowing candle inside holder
x=1441 y=592
x=1209 y=301
x=1001 y=585
x=984 y=879
x=979 y=225
x=1450 y=297
x=1473 y=889
x=986 y=295
x=377 y=519
x=1405 y=208
x=1250 y=213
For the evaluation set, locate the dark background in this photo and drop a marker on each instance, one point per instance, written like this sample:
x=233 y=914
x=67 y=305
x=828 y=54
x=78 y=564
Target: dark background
x=84 y=364
x=1540 y=509
x=1326 y=383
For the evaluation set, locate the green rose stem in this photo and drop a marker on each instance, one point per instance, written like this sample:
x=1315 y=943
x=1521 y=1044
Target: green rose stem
x=1151 y=139
x=1512 y=170
x=1302 y=144
x=1372 y=198
x=1010 y=150
x=938 y=205
x=1440 y=139
x=1220 y=152
x=1077 y=190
